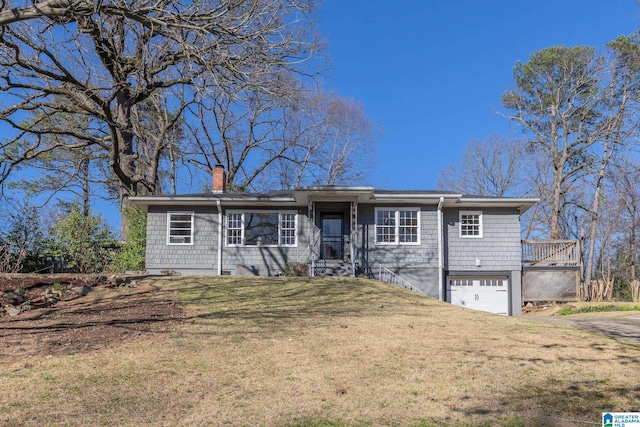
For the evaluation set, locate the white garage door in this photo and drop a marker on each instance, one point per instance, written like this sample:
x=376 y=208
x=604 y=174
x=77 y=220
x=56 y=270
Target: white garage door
x=480 y=293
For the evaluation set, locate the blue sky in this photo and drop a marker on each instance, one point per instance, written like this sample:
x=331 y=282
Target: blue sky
x=431 y=73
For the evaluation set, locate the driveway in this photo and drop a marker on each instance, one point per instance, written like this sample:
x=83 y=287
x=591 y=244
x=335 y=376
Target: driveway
x=616 y=326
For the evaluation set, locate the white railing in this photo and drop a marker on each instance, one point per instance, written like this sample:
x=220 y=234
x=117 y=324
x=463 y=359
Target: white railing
x=551 y=252
x=317 y=264
x=388 y=276
x=310 y=251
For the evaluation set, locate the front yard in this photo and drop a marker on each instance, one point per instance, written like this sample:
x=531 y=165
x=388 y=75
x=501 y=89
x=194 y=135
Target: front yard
x=309 y=352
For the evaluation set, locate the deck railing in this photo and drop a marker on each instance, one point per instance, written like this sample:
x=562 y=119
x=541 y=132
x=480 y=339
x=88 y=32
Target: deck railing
x=388 y=276
x=551 y=252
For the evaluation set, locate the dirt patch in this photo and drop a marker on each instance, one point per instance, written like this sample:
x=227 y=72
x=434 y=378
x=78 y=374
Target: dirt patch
x=542 y=309
x=10 y=282
x=105 y=316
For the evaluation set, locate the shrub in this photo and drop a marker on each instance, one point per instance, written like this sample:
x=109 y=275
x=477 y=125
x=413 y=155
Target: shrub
x=132 y=254
x=296 y=269
x=84 y=241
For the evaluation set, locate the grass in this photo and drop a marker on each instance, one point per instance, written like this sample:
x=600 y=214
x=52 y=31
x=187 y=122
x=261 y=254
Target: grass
x=327 y=352
x=598 y=308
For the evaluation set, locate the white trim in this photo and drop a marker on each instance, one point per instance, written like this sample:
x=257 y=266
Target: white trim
x=259 y=211
x=295 y=229
x=226 y=229
x=192 y=215
x=397 y=211
x=440 y=250
x=220 y=237
x=480 y=224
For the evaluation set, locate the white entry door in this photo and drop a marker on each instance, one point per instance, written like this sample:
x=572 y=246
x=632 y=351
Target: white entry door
x=480 y=293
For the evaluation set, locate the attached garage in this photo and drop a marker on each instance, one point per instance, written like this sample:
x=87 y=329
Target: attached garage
x=485 y=293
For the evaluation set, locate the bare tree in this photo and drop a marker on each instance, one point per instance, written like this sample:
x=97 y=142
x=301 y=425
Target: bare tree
x=494 y=166
x=555 y=100
x=161 y=134
x=625 y=181
x=106 y=58
x=281 y=139
x=347 y=135
x=618 y=112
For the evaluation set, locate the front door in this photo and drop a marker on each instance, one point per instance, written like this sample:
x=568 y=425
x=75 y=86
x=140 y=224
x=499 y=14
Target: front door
x=332 y=246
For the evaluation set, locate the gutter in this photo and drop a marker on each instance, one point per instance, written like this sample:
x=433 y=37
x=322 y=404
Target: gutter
x=204 y=201
x=219 y=205
x=440 y=249
x=522 y=204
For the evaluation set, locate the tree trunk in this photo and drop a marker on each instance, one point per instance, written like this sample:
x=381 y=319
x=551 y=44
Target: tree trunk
x=554 y=229
x=595 y=213
x=86 y=190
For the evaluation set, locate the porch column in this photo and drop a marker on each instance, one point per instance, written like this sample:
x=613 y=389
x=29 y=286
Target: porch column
x=311 y=241
x=354 y=235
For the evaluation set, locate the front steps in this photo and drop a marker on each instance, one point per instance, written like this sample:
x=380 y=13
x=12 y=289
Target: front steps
x=333 y=268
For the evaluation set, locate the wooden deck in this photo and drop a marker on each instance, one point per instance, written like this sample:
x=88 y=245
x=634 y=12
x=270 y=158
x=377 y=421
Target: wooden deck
x=550 y=253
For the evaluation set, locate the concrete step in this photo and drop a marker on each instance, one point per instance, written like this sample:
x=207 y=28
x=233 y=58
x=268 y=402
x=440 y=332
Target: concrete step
x=334 y=268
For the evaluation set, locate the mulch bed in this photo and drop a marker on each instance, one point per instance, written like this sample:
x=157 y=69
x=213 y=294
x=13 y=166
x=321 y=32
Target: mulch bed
x=63 y=314
x=9 y=282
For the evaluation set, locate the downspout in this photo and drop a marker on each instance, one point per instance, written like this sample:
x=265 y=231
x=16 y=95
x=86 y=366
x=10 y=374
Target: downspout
x=440 y=249
x=219 y=205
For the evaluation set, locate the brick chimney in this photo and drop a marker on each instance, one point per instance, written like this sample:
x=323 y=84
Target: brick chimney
x=219 y=179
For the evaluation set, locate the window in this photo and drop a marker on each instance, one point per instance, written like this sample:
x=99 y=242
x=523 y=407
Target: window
x=234 y=229
x=287 y=229
x=261 y=229
x=470 y=224
x=180 y=228
x=398 y=226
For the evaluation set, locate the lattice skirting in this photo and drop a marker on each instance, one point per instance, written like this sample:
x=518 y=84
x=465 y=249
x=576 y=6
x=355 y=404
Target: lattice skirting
x=551 y=284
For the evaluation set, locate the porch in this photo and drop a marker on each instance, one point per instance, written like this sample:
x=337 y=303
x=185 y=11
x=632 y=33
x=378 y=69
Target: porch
x=333 y=232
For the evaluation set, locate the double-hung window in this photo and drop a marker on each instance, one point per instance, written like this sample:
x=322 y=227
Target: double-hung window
x=287 y=229
x=180 y=228
x=234 y=229
x=397 y=226
x=471 y=224
x=261 y=228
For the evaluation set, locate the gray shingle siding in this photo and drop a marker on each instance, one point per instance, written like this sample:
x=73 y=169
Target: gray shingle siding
x=497 y=252
x=265 y=260
x=498 y=249
x=198 y=258
x=416 y=263
x=424 y=255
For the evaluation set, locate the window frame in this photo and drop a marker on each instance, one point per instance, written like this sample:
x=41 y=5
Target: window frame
x=242 y=213
x=191 y=228
x=227 y=228
x=281 y=228
x=397 y=226
x=480 y=225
